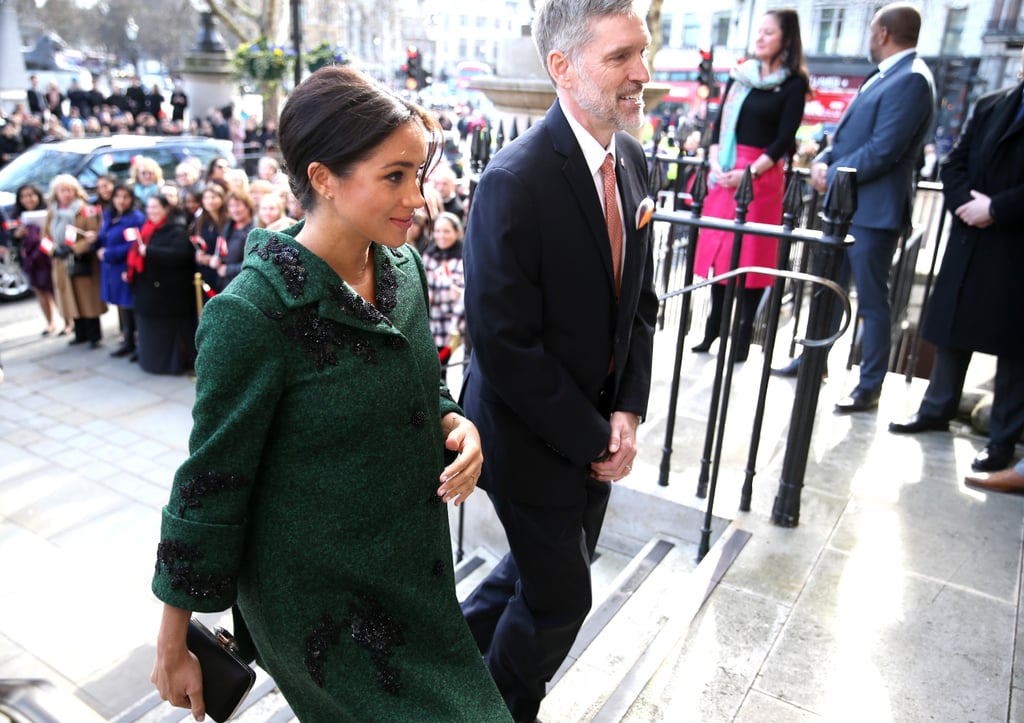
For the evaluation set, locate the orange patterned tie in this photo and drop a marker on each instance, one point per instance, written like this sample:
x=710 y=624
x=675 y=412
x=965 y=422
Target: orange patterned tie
x=612 y=218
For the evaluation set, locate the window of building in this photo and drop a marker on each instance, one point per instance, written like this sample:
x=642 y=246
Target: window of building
x=830 y=27
x=691 y=30
x=666 y=30
x=720 y=28
x=955 y=19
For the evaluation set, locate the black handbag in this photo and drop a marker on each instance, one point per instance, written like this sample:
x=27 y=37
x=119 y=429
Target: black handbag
x=80 y=265
x=227 y=679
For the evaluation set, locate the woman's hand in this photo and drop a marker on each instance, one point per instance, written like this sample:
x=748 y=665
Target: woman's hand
x=176 y=672
x=458 y=480
x=100 y=253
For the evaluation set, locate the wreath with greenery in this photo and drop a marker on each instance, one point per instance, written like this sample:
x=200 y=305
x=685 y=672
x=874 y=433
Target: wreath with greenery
x=261 y=61
x=325 y=54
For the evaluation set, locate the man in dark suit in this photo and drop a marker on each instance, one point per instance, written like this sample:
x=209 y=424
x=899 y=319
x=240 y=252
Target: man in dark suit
x=561 y=310
x=36 y=99
x=976 y=305
x=881 y=135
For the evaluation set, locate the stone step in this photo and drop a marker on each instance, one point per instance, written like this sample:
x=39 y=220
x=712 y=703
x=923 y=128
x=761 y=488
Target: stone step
x=633 y=633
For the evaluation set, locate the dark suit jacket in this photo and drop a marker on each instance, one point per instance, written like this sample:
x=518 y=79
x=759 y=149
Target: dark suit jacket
x=977 y=304
x=882 y=135
x=542 y=313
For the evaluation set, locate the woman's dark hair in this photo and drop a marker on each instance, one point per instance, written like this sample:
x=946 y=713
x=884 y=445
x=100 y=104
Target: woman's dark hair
x=212 y=166
x=18 y=208
x=338 y=117
x=792 y=52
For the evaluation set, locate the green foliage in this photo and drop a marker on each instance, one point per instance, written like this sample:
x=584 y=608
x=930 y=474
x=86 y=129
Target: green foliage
x=325 y=54
x=261 y=61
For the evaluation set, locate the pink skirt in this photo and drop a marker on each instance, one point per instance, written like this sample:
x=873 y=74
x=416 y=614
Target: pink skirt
x=714 y=248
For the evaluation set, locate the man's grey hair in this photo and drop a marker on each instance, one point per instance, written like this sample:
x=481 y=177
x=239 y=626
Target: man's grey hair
x=565 y=25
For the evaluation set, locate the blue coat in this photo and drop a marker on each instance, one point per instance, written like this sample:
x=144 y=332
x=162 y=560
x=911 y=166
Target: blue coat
x=882 y=134
x=110 y=237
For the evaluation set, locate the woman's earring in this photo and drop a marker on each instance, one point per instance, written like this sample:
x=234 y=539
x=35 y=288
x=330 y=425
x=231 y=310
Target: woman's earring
x=329 y=196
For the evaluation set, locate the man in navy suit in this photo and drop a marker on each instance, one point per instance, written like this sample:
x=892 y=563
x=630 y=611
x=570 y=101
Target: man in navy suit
x=881 y=135
x=976 y=304
x=561 y=310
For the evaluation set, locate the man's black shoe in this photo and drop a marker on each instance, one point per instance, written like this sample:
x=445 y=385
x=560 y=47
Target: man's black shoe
x=919 y=423
x=123 y=351
x=993 y=458
x=860 y=400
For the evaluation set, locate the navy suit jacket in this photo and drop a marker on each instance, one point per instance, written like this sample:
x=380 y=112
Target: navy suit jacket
x=882 y=135
x=542 y=313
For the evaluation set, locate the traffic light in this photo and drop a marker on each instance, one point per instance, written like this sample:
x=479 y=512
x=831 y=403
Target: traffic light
x=413 y=68
x=706 y=75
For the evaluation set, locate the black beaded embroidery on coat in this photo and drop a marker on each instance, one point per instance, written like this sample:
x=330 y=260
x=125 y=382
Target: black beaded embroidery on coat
x=287 y=259
x=378 y=633
x=177 y=558
x=324 y=635
x=206 y=483
x=321 y=338
x=387 y=297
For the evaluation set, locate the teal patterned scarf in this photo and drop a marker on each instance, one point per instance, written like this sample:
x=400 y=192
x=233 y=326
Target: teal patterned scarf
x=745 y=77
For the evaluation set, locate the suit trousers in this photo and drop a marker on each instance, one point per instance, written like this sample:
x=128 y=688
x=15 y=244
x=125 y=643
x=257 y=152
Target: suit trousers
x=869 y=260
x=946 y=383
x=525 y=615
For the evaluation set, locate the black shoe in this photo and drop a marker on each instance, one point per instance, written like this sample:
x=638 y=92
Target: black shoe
x=705 y=345
x=993 y=458
x=790 y=370
x=134 y=357
x=919 y=423
x=75 y=342
x=860 y=400
x=95 y=344
x=123 y=351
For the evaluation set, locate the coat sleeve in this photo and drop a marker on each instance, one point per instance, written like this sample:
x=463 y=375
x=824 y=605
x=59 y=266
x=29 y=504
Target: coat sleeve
x=896 y=123
x=955 y=169
x=505 y=307
x=240 y=376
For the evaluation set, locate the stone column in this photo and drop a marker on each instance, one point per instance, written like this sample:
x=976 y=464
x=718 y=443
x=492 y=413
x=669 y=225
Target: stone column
x=13 y=78
x=207 y=73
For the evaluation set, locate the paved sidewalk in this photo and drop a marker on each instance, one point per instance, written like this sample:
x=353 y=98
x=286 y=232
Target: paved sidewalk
x=897 y=597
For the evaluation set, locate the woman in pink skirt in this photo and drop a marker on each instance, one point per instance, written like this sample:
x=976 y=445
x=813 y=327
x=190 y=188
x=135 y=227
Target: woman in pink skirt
x=761 y=111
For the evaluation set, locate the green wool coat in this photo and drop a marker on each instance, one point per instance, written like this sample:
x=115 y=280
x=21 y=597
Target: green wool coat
x=308 y=496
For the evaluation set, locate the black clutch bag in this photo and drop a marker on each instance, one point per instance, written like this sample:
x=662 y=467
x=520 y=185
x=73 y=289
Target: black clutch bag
x=227 y=679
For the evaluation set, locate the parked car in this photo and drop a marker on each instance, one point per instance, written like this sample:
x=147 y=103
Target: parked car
x=87 y=159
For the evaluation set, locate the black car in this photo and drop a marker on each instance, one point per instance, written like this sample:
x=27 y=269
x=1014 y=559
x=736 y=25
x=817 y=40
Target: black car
x=87 y=159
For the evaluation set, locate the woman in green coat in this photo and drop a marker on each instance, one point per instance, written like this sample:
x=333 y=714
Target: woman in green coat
x=313 y=496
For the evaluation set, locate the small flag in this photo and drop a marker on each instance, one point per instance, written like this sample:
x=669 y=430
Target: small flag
x=131 y=234
x=47 y=245
x=199 y=242
x=70 y=234
x=12 y=224
x=222 y=247
x=90 y=211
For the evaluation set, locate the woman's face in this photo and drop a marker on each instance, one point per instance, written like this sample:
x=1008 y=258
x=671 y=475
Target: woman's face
x=769 y=39
x=155 y=211
x=238 y=211
x=445 y=234
x=191 y=203
x=376 y=200
x=219 y=168
x=123 y=200
x=28 y=199
x=104 y=189
x=270 y=210
x=147 y=177
x=65 y=195
x=212 y=202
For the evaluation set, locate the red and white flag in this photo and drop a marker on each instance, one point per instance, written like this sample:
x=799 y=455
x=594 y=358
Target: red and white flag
x=90 y=211
x=70 y=234
x=131 y=234
x=12 y=224
x=222 y=247
x=199 y=243
x=47 y=245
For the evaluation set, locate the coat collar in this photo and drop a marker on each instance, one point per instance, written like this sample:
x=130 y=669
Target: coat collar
x=300 y=278
x=581 y=181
